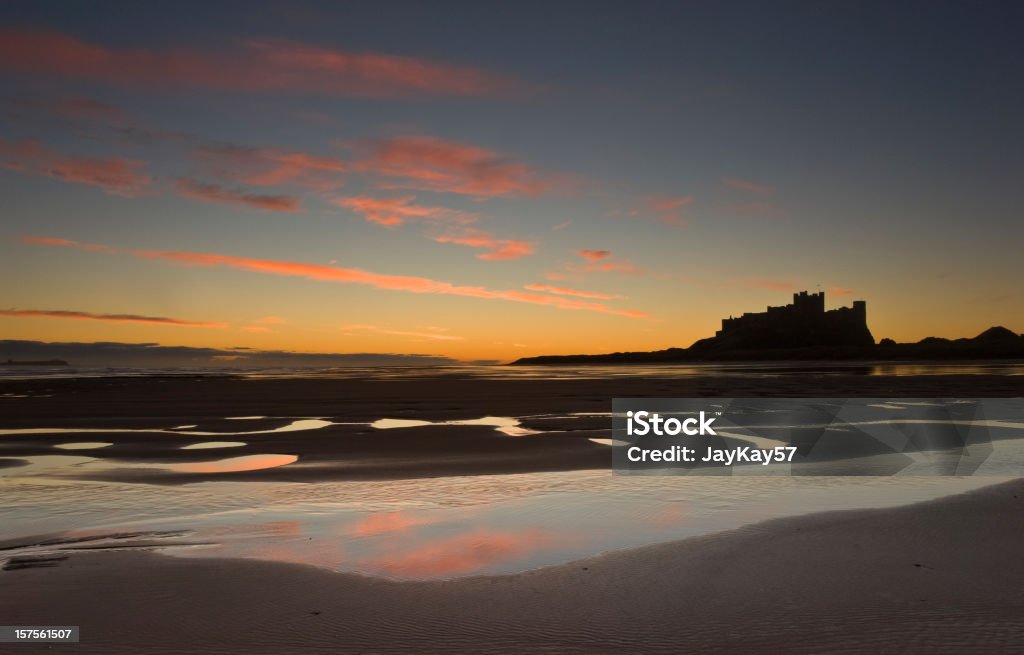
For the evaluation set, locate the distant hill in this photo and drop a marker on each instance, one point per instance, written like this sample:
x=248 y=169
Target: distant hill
x=803 y=330
x=1008 y=345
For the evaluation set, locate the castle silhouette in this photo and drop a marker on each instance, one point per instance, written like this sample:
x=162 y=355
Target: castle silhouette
x=803 y=323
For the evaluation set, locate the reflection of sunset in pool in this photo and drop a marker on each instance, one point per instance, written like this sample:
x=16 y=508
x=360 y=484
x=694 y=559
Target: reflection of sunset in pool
x=461 y=554
x=234 y=464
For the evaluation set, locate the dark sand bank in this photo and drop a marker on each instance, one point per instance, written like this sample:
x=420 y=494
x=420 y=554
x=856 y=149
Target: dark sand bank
x=357 y=451
x=942 y=576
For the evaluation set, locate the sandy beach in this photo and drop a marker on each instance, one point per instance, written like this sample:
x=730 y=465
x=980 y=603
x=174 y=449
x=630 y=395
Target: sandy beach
x=937 y=577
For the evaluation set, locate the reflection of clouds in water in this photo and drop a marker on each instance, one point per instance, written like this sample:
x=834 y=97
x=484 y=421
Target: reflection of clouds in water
x=234 y=464
x=68 y=466
x=83 y=445
x=213 y=444
x=458 y=555
x=441 y=527
x=386 y=523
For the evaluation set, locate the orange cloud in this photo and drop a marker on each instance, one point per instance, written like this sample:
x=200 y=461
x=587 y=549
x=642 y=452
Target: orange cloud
x=563 y=291
x=464 y=553
x=391 y=212
x=260 y=66
x=119 y=318
x=215 y=193
x=429 y=163
x=594 y=255
x=123 y=177
x=748 y=186
x=319 y=272
x=498 y=249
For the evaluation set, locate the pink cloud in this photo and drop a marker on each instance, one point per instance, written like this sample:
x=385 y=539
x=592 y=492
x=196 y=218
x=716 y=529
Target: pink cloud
x=123 y=177
x=498 y=249
x=271 y=167
x=391 y=212
x=116 y=318
x=748 y=186
x=564 y=291
x=189 y=188
x=319 y=272
x=256 y=65
x=670 y=210
x=66 y=243
x=429 y=163
x=594 y=255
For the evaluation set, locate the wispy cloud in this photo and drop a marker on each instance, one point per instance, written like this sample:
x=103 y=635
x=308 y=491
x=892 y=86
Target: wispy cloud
x=190 y=188
x=254 y=66
x=401 y=333
x=392 y=212
x=565 y=291
x=602 y=261
x=748 y=186
x=497 y=249
x=269 y=166
x=319 y=272
x=123 y=177
x=117 y=318
x=433 y=164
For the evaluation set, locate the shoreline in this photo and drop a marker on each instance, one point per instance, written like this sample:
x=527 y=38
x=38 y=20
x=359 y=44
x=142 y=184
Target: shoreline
x=138 y=417
x=938 y=576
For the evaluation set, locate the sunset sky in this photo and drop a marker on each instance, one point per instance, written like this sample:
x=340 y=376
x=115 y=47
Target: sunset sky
x=486 y=181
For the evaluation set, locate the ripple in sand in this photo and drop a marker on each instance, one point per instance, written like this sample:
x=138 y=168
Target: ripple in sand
x=83 y=445
x=213 y=444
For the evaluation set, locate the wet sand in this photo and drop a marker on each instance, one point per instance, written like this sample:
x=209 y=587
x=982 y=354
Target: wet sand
x=942 y=576
x=357 y=451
